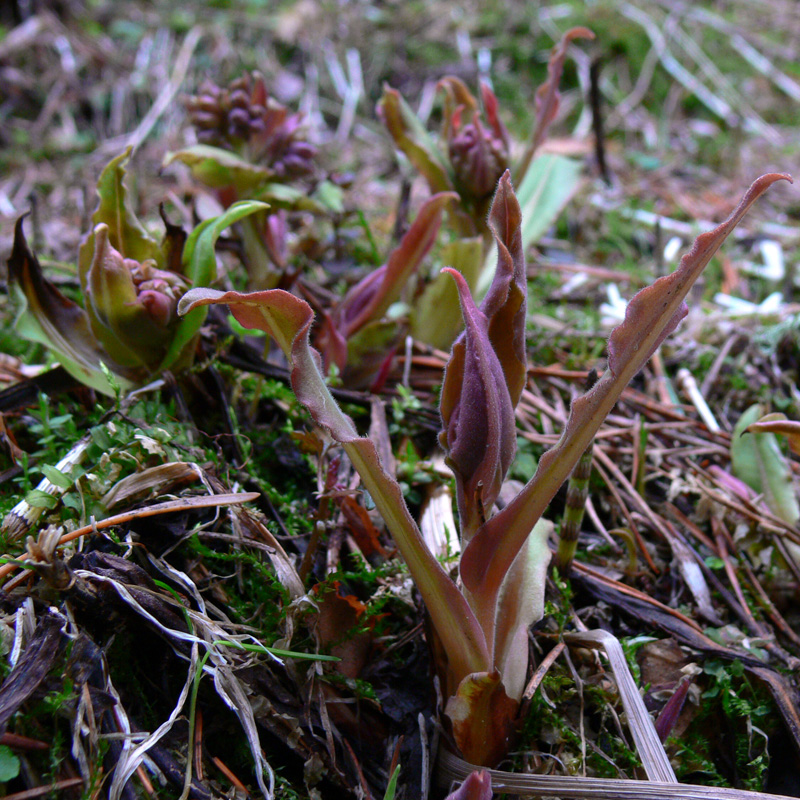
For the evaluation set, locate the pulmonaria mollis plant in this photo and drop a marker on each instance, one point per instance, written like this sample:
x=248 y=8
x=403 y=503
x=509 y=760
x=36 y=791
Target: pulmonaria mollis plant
x=251 y=147
x=481 y=623
x=467 y=156
x=355 y=335
x=131 y=284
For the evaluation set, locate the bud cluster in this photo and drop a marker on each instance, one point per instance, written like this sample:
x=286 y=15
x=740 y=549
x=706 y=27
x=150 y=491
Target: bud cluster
x=157 y=290
x=479 y=158
x=243 y=117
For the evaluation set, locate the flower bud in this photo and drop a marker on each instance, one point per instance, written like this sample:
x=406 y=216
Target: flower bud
x=243 y=118
x=479 y=153
x=132 y=306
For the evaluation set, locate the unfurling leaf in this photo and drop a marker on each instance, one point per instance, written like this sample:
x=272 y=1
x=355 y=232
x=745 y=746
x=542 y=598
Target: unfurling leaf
x=548 y=97
x=478 y=433
x=651 y=315
x=486 y=372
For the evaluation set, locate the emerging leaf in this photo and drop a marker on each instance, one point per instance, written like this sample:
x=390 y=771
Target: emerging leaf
x=414 y=141
x=651 y=315
x=367 y=302
x=478 y=417
x=132 y=306
x=548 y=98
x=506 y=302
x=477 y=786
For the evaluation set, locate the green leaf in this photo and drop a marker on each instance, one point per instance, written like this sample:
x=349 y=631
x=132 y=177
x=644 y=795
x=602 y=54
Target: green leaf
x=411 y=138
x=57 y=477
x=200 y=265
x=757 y=460
x=330 y=196
x=199 y=257
x=391 y=787
x=282 y=195
x=220 y=168
x=125 y=232
x=436 y=319
x=9 y=764
x=39 y=499
x=547 y=187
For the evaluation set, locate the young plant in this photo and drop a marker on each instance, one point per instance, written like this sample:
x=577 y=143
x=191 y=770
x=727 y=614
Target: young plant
x=481 y=623
x=129 y=329
x=251 y=147
x=356 y=336
x=470 y=153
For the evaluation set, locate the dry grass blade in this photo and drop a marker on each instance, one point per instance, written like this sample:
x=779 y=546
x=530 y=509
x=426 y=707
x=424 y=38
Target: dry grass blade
x=651 y=751
x=220 y=662
x=167 y=507
x=452 y=768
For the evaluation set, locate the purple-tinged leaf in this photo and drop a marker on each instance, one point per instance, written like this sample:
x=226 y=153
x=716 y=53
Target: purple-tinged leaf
x=478 y=433
x=288 y=320
x=672 y=710
x=488 y=557
x=477 y=786
x=368 y=300
x=456 y=96
x=491 y=107
x=505 y=304
x=548 y=97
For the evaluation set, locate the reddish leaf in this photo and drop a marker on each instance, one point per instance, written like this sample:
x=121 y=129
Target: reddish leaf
x=360 y=526
x=481 y=715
